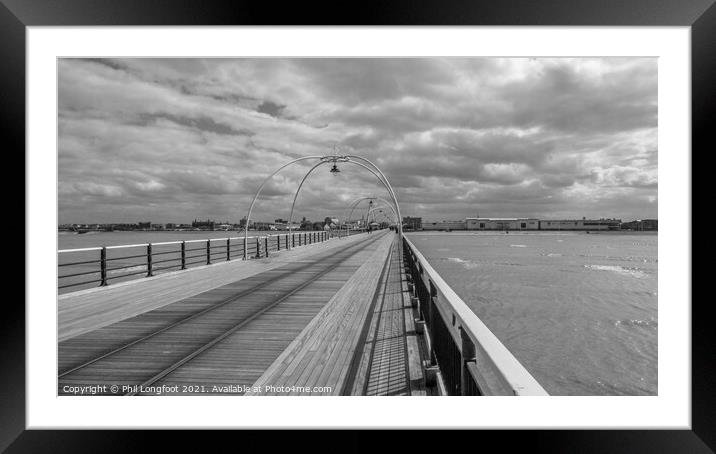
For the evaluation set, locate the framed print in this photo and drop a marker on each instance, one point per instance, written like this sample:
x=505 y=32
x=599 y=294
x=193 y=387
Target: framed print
x=394 y=220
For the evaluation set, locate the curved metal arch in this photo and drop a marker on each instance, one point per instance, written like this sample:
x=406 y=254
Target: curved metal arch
x=355 y=203
x=258 y=191
x=381 y=207
x=352 y=207
x=384 y=218
x=390 y=189
x=382 y=179
x=327 y=161
x=290 y=218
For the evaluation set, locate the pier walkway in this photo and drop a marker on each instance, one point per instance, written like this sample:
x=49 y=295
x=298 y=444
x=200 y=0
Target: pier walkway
x=331 y=319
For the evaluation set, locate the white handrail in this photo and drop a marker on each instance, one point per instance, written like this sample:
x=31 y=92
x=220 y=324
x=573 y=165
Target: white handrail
x=204 y=240
x=85 y=249
x=499 y=372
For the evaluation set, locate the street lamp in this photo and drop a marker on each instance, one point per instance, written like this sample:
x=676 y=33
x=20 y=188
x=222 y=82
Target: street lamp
x=379 y=209
x=334 y=160
x=356 y=202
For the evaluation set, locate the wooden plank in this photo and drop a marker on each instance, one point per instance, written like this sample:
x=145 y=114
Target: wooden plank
x=388 y=372
x=242 y=358
x=330 y=339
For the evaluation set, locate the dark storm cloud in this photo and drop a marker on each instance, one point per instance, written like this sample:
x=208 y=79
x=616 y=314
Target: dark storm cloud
x=202 y=123
x=269 y=108
x=196 y=137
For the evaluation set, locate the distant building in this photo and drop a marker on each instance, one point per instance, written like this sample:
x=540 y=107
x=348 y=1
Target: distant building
x=256 y=225
x=444 y=225
x=411 y=223
x=203 y=225
x=284 y=225
x=641 y=225
x=502 y=224
x=580 y=224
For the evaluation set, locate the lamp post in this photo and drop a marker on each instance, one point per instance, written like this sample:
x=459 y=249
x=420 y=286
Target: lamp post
x=329 y=159
x=334 y=159
x=354 y=205
x=390 y=190
x=379 y=209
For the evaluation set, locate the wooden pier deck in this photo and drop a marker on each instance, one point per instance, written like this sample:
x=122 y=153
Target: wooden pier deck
x=86 y=310
x=331 y=319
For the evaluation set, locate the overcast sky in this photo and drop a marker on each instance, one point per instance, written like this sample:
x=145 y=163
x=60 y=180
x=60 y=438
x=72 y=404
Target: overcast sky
x=170 y=140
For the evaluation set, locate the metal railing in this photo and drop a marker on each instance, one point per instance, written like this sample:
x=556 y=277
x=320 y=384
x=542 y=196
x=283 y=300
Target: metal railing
x=98 y=266
x=470 y=358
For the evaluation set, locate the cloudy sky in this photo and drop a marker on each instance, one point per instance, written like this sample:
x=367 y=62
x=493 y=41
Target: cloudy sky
x=170 y=140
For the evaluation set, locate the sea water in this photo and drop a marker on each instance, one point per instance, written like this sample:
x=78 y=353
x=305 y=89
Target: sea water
x=578 y=310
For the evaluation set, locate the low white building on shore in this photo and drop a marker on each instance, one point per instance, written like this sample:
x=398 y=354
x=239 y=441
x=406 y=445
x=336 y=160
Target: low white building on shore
x=502 y=223
x=444 y=225
x=580 y=224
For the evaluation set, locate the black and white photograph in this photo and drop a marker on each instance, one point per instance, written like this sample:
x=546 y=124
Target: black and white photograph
x=435 y=216
x=357 y=226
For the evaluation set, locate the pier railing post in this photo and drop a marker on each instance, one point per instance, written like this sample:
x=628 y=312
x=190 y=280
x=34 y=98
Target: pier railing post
x=266 y=246
x=246 y=246
x=287 y=241
x=431 y=314
x=467 y=354
x=293 y=240
x=103 y=266
x=149 y=259
x=278 y=242
x=183 y=255
x=208 y=252
x=228 y=249
x=258 y=248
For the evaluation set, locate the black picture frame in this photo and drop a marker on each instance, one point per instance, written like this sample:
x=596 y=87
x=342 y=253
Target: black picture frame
x=700 y=15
